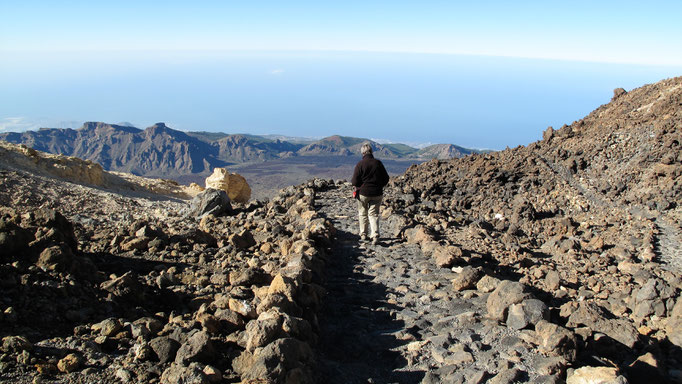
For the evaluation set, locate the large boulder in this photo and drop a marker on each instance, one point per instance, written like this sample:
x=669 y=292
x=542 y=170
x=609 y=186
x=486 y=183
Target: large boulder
x=210 y=202
x=165 y=348
x=674 y=327
x=527 y=312
x=505 y=295
x=198 y=348
x=285 y=360
x=596 y=375
x=597 y=319
x=234 y=184
x=178 y=373
x=556 y=340
x=466 y=278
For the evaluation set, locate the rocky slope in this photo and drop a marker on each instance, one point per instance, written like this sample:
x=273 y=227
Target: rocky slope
x=112 y=286
x=588 y=219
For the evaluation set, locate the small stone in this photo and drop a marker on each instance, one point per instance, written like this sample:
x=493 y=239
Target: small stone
x=506 y=294
x=198 y=348
x=552 y=280
x=447 y=256
x=137 y=243
x=213 y=374
x=144 y=352
x=56 y=258
x=459 y=358
x=526 y=313
x=674 y=329
x=507 y=376
x=592 y=375
x=209 y=322
x=266 y=248
x=242 y=307
x=45 y=368
x=466 y=279
x=556 y=340
x=24 y=358
x=230 y=320
x=109 y=327
x=646 y=369
x=242 y=240
x=124 y=375
x=69 y=363
x=487 y=284
x=210 y=202
x=165 y=348
x=233 y=184
x=178 y=373
x=282 y=285
x=418 y=235
x=552 y=365
x=263 y=330
x=16 y=344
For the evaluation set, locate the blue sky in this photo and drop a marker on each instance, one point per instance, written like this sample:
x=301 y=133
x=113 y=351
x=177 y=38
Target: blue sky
x=483 y=74
x=612 y=31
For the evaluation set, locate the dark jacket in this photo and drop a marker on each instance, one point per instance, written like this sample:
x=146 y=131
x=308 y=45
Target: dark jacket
x=370 y=176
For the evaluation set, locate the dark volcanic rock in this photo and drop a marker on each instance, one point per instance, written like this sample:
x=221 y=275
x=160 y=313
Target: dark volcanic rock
x=210 y=202
x=165 y=348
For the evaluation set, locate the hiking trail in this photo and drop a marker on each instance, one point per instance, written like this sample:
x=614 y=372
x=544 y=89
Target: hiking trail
x=391 y=316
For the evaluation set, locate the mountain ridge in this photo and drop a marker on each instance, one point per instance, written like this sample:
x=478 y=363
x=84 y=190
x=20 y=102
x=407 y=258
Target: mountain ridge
x=161 y=151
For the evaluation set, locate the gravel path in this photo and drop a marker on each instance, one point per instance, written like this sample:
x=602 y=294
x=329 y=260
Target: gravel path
x=391 y=316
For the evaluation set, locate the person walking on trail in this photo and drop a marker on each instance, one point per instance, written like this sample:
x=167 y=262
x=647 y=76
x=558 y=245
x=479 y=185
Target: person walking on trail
x=369 y=179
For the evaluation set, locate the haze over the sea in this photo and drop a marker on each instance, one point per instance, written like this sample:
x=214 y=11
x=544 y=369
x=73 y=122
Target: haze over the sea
x=436 y=73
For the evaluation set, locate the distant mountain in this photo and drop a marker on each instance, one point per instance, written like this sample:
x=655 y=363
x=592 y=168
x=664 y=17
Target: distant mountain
x=246 y=148
x=443 y=151
x=160 y=151
x=156 y=151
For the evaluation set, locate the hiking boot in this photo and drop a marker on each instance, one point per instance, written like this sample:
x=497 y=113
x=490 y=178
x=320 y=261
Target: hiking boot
x=363 y=238
x=375 y=241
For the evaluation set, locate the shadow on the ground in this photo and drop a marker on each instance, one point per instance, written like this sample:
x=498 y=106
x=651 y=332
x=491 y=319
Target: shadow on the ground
x=358 y=330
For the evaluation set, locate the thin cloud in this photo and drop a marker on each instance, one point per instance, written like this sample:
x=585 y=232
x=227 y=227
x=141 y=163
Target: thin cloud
x=276 y=72
x=16 y=124
x=22 y=124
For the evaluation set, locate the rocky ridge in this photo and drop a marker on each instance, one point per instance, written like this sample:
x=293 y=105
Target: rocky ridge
x=21 y=158
x=109 y=287
x=588 y=219
x=159 y=151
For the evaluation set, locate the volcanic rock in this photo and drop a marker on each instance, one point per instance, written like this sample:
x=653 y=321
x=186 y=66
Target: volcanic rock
x=210 y=202
x=528 y=312
x=556 y=340
x=198 y=348
x=235 y=185
x=506 y=294
x=603 y=375
x=165 y=348
x=466 y=279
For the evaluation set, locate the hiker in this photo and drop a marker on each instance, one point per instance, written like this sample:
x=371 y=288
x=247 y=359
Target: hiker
x=369 y=179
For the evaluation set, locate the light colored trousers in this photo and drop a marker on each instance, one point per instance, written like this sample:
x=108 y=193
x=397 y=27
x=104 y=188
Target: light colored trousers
x=368 y=210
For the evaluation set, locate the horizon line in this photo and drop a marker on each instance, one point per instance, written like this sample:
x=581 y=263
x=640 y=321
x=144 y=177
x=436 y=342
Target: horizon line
x=354 y=51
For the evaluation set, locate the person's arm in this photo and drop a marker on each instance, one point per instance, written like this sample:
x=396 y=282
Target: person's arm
x=384 y=175
x=355 y=180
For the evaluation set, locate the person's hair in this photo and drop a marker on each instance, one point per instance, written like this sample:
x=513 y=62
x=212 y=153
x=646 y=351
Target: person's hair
x=366 y=149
